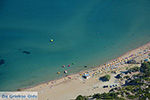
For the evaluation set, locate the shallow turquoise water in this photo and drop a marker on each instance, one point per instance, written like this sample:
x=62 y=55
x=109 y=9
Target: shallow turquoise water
x=85 y=32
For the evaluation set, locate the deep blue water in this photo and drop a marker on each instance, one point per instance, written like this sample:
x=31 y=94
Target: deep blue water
x=85 y=32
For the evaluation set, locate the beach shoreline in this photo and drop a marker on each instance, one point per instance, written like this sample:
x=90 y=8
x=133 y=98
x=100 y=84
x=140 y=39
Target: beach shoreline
x=76 y=79
x=91 y=68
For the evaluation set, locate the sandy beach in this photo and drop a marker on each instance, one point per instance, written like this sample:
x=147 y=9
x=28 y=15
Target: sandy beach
x=69 y=87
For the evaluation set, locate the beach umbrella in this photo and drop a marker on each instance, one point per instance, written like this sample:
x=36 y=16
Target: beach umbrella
x=65 y=72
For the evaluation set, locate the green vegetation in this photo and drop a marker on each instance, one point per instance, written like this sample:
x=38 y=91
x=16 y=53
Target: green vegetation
x=105 y=78
x=135 y=88
x=107 y=96
x=131 y=96
x=127 y=68
x=134 y=69
x=18 y=89
x=80 y=97
x=98 y=96
x=145 y=68
x=126 y=77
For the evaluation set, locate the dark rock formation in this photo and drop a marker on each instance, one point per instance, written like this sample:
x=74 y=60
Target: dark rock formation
x=85 y=66
x=26 y=52
x=2 y=61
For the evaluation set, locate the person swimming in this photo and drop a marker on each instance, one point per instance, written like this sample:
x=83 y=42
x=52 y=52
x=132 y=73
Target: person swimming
x=51 y=40
x=50 y=37
x=63 y=66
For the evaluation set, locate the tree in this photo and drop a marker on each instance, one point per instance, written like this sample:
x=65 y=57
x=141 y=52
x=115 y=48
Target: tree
x=105 y=78
x=145 y=68
x=134 y=69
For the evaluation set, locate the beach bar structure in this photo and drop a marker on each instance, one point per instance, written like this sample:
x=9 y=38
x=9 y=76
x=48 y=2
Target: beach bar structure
x=86 y=76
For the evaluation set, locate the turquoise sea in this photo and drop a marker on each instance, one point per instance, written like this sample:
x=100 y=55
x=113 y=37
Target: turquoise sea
x=85 y=32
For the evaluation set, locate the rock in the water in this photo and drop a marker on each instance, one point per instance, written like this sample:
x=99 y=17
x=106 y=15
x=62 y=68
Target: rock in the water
x=26 y=52
x=85 y=66
x=2 y=61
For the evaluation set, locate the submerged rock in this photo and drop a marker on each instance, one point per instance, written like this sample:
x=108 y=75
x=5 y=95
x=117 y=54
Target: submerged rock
x=26 y=52
x=2 y=61
x=85 y=66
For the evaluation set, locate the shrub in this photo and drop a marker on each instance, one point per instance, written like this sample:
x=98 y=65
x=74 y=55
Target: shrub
x=131 y=96
x=145 y=68
x=131 y=62
x=126 y=77
x=97 y=96
x=113 y=95
x=18 y=89
x=147 y=95
x=80 y=97
x=118 y=76
x=134 y=69
x=119 y=98
x=128 y=88
x=105 y=78
x=106 y=96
